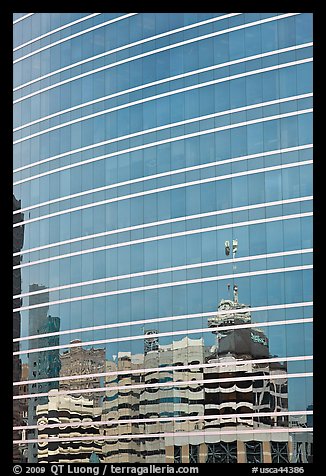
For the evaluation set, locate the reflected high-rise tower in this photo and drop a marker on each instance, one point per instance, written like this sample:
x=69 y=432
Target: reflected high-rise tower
x=64 y=399
x=80 y=361
x=18 y=405
x=248 y=393
x=43 y=364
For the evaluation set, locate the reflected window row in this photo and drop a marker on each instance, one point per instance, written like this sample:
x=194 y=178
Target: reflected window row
x=292 y=208
x=250 y=69
x=151 y=253
x=155 y=113
x=244 y=42
x=137 y=183
x=196 y=125
x=301 y=259
x=209 y=196
x=50 y=35
x=257 y=91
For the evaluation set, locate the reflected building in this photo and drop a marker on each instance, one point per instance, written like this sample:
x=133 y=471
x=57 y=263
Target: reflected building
x=80 y=361
x=121 y=403
x=18 y=405
x=42 y=365
x=152 y=398
x=131 y=173
x=68 y=413
x=161 y=400
x=230 y=379
x=246 y=386
x=302 y=441
x=224 y=388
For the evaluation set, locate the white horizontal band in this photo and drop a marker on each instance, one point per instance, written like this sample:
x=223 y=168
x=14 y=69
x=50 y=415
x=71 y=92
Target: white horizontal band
x=75 y=35
x=140 y=101
x=176 y=434
x=129 y=45
x=149 y=53
x=202 y=330
x=165 y=126
x=163 y=237
x=166 y=174
x=165 y=319
x=166 y=188
x=63 y=27
x=165 y=285
x=163 y=369
x=166 y=270
x=165 y=80
x=167 y=221
x=145 y=146
x=163 y=141
x=159 y=385
x=23 y=18
x=74 y=424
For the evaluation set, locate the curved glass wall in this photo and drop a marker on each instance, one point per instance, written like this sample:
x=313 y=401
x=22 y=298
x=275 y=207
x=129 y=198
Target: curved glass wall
x=163 y=237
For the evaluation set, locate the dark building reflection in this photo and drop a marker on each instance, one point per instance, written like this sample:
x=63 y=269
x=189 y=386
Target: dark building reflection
x=19 y=406
x=42 y=365
x=249 y=386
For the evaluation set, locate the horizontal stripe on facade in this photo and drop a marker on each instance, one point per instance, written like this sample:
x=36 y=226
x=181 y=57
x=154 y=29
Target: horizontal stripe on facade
x=166 y=126
x=52 y=32
x=166 y=270
x=160 y=142
x=168 y=284
x=166 y=236
x=167 y=188
x=177 y=434
x=159 y=385
x=167 y=174
x=167 y=221
x=75 y=35
x=120 y=48
x=158 y=96
x=165 y=80
x=185 y=332
x=74 y=424
x=163 y=369
x=149 y=53
x=166 y=319
x=23 y=18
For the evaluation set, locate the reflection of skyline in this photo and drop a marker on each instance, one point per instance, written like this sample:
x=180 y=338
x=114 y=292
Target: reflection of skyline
x=80 y=361
x=205 y=399
x=19 y=406
x=233 y=387
x=42 y=365
x=250 y=388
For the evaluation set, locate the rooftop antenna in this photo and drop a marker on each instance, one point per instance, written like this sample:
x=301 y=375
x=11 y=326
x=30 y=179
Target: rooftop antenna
x=234 y=250
x=227 y=248
x=229 y=286
x=235 y=294
x=235 y=287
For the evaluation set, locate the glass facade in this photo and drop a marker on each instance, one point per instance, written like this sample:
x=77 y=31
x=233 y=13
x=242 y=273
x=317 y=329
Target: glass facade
x=163 y=237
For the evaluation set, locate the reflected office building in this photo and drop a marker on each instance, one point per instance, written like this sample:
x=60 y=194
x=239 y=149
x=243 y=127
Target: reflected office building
x=163 y=256
x=19 y=406
x=68 y=408
x=214 y=391
x=43 y=364
x=204 y=393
